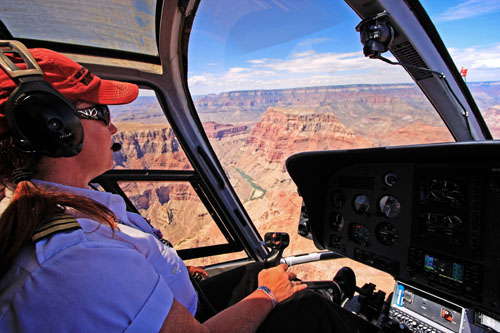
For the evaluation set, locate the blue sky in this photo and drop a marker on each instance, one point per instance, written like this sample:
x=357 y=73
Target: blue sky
x=271 y=44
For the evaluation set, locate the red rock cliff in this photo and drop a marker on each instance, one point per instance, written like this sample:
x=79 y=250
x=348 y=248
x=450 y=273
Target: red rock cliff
x=281 y=132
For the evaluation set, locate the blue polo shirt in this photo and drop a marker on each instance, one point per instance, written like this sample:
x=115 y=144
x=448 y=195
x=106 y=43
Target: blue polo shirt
x=91 y=280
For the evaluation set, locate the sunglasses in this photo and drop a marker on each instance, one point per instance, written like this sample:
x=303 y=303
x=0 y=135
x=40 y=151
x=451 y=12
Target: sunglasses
x=96 y=112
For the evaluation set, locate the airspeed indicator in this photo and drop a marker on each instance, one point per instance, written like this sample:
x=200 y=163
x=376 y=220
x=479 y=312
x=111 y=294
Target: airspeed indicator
x=359 y=234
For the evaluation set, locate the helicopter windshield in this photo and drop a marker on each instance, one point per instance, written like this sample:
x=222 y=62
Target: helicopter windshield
x=273 y=78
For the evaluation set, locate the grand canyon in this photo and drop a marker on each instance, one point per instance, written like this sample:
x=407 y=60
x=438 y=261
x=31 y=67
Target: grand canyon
x=253 y=133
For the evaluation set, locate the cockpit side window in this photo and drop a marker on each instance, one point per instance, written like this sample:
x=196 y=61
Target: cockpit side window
x=148 y=141
x=157 y=180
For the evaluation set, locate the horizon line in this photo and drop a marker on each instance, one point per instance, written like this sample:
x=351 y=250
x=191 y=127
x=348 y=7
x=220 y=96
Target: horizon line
x=329 y=86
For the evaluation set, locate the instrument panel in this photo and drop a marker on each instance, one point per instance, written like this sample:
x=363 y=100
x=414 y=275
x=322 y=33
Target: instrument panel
x=429 y=215
x=371 y=213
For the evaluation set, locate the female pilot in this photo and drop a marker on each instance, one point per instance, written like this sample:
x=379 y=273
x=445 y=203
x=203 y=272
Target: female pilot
x=73 y=259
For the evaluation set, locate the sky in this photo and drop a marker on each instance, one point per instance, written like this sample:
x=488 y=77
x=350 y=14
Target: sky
x=275 y=44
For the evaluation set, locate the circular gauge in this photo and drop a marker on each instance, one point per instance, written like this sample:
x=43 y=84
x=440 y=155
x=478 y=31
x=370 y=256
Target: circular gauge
x=389 y=206
x=336 y=221
x=336 y=243
x=359 y=234
x=390 y=179
x=454 y=196
x=428 y=218
x=445 y=191
x=386 y=233
x=435 y=195
x=338 y=199
x=453 y=220
x=361 y=203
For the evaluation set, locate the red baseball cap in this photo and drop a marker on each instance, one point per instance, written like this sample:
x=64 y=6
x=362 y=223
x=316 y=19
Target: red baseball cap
x=71 y=79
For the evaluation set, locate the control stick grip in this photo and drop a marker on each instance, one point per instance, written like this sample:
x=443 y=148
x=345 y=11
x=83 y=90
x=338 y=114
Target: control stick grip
x=277 y=242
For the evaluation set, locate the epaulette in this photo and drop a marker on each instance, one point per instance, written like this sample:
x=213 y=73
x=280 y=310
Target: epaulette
x=58 y=223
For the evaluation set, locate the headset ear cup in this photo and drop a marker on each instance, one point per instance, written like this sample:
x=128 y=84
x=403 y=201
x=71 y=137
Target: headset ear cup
x=43 y=121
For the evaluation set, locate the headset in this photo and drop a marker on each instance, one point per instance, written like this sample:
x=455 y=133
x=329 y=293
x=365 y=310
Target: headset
x=40 y=119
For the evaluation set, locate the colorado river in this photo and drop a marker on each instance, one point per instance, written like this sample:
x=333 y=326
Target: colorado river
x=257 y=191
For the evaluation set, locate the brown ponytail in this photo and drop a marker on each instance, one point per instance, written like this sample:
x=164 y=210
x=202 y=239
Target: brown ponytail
x=32 y=205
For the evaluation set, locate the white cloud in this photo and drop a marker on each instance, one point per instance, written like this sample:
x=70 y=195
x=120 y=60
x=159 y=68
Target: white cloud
x=311 y=41
x=198 y=80
x=311 y=62
x=483 y=61
x=469 y=8
x=257 y=61
x=238 y=70
x=303 y=54
x=317 y=69
x=302 y=69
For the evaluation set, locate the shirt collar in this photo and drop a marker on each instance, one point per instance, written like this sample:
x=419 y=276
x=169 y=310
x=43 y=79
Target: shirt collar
x=113 y=202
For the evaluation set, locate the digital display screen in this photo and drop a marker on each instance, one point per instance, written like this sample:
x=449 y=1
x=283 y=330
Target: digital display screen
x=444 y=268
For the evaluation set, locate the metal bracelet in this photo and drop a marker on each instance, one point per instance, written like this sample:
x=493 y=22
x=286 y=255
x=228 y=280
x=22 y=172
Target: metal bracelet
x=270 y=294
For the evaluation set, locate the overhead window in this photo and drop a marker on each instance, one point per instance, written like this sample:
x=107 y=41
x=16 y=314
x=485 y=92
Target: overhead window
x=120 y=25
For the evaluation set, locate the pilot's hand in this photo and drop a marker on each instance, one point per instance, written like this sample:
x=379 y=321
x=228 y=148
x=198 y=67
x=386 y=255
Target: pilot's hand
x=197 y=270
x=280 y=282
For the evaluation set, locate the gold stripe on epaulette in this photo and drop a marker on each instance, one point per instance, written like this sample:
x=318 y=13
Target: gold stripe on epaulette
x=58 y=223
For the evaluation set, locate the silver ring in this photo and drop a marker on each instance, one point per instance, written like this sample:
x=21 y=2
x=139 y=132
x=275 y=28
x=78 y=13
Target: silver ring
x=293 y=283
